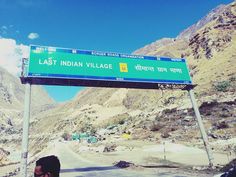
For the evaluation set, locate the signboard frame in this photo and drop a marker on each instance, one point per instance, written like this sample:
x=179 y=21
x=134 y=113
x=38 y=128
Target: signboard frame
x=37 y=77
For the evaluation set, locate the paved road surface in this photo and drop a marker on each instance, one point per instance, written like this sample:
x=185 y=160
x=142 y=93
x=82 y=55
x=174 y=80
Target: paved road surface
x=72 y=165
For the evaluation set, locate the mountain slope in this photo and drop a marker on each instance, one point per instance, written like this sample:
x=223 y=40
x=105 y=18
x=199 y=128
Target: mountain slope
x=12 y=94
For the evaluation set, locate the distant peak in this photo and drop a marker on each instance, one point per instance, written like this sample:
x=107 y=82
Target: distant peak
x=189 y=32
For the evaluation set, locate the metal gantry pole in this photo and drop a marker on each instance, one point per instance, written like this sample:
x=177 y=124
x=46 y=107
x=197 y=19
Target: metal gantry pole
x=202 y=129
x=25 y=139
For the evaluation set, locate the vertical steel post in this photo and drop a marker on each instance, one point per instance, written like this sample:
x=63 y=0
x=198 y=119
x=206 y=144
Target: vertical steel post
x=202 y=129
x=24 y=153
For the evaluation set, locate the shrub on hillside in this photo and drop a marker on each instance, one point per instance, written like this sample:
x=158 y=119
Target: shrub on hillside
x=155 y=126
x=65 y=136
x=232 y=79
x=221 y=125
x=222 y=86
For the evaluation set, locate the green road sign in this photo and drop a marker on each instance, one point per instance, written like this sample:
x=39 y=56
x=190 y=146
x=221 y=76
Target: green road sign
x=59 y=63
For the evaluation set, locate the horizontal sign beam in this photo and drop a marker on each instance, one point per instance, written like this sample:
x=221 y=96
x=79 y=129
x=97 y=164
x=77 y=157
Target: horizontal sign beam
x=98 y=83
x=58 y=66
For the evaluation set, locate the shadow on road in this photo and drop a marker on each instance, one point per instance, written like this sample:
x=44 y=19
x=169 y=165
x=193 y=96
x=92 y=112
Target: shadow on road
x=87 y=169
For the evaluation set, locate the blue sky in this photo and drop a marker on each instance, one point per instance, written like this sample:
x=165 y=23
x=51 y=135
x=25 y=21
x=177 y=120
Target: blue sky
x=120 y=26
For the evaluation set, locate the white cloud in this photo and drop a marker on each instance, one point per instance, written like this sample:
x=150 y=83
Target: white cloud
x=33 y=36
x=11 y=55
x=4 y=27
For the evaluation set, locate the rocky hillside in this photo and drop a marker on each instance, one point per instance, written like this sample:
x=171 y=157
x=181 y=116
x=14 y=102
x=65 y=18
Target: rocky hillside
x=12 y=94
